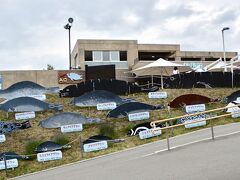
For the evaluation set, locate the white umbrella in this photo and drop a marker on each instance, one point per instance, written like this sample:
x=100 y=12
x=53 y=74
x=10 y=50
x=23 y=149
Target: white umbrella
x=159 y=67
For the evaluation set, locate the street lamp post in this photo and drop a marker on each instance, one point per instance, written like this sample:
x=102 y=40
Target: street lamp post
x=224 y=53
x=68 y=27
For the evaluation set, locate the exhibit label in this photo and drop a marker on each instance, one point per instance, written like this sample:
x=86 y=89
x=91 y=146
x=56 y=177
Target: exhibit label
x=196 y=124
x=71 y=128
x=157 y=95
x=96 y=146
x=2 y=138
x=195 y=108
x=39 y=97
x=49 y=156
x=106 y=106
x=25 y=115
x=236 y=114
x=11 y=163
x=150 y=133
x=138 y=116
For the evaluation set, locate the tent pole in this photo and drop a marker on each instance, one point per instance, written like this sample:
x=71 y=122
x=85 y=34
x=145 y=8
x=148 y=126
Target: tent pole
x=161 y=80
x=232 y=71
x=152 y=80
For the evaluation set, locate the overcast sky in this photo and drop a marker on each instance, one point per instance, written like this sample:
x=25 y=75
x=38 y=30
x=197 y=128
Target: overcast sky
x=32 y=33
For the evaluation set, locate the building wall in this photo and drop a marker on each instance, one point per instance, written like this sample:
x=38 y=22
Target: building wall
x=121 y=45
x=46 y=78
x=159 y=47
x=133 y=48
x=204 y=54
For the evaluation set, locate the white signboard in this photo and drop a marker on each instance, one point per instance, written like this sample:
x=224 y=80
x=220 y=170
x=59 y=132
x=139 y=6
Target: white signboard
x=138 y=116
x=196 y=124
x=39 y=97
x=11 y=163
x=2 y=138
x=150 y=133
x=71 y=128
x=96 y=146
x=106 y=106
x=236 y=114
x=157 y=95
x=195 y=108
x=49 y=156
x=25 y=115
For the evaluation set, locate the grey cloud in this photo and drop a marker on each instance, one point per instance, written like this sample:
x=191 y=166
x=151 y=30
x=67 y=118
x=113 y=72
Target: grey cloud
x=28 y=24
x=226 y=16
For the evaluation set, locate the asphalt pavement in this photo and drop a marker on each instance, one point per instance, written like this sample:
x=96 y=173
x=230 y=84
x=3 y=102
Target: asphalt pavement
x=192 y=156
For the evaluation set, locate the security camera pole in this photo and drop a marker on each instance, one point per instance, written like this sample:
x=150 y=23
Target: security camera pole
x=68 y=26
x=224 y=54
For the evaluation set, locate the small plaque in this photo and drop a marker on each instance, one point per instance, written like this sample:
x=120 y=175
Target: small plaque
x=49 y=156
x=106 y=106
x=157 y=95
x=236 y=114
x=11 y=163
x=71 y=128
x=2 y=138
x=138 y=116
x=195 y=108
x=196 y=124
x=96 y=146
x=150 y=133
x=25 y=115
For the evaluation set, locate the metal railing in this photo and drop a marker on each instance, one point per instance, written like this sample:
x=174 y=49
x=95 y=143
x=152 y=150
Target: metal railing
x=167 y=127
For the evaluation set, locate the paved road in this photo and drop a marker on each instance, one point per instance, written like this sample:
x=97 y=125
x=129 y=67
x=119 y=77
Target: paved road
x=190 y=159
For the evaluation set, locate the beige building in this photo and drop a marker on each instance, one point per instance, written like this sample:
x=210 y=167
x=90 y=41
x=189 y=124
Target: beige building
x=128 y=54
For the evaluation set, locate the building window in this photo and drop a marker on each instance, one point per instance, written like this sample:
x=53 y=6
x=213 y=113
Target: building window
x=88 y=56
x=190 y=59
x=105 y=56
x=153 y=56
x=97 y=55
x=123 y=55
x=114 y=55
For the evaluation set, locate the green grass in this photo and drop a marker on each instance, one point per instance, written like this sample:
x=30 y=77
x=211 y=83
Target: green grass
x=24 y=141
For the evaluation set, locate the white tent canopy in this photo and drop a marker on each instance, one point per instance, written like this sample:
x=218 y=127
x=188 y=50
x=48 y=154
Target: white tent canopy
x=220 y=66
x=160 y=67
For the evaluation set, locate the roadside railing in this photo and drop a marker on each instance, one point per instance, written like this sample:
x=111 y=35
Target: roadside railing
x=168 y=120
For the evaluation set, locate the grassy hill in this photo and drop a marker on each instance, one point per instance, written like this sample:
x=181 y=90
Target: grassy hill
x=22 y=141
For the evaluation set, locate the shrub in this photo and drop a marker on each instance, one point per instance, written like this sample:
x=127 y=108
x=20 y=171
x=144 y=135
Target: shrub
x=30 y=148
x=61 y=139
x=108 y=130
